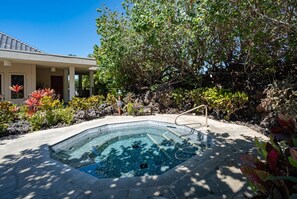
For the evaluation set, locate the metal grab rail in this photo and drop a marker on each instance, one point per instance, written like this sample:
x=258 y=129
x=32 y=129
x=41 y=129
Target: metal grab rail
x=193 y=109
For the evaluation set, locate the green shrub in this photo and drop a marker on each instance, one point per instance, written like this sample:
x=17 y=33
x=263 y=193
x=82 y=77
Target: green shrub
x=130 y=109
x=95 y=100
x=23 y=112
x=111 y=99
x=78 y=103
x=48 y=103
x=224 y=100
x=185 y=98
x=215 y=98
x=37 y=120
x=179 y=97
x=196 y=96
x=3 y=128
x=6 y=112
x=81 y=103
x=51 y=118
x=7 y=115
x=65 y=115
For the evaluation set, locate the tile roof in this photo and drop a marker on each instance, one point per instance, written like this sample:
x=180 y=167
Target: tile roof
x=9 y=43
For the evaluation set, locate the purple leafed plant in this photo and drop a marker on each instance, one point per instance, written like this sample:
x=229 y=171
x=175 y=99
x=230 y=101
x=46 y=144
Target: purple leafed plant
x=275 y=174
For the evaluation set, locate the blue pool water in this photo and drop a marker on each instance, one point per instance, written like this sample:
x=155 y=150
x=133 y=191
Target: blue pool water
x=128 y=150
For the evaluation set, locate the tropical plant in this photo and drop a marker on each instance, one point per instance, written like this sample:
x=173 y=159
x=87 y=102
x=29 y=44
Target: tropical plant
x=37 y=120
x=185 y=99
x=111 y=99
x=130 y=109
x=274 y=175
x=95 y=101
x=3 y=128
x=179 y=96
x=217 y=99
x=16 y=89
x=6 y=115
x=7 y=111
x=196 y=96
x=224 y=100
x=47 y=103
x=64 y=115
x=34 y=101
x=23 y=112
x=79 y=103
x=86 y=104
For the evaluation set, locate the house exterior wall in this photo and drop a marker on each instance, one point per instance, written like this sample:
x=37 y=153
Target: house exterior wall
x=29 y=72
x=43 y=76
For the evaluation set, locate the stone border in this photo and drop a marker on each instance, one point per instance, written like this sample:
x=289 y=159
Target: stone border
x=164 y=179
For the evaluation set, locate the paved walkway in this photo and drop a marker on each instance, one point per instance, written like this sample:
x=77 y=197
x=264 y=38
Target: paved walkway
x=26 y=171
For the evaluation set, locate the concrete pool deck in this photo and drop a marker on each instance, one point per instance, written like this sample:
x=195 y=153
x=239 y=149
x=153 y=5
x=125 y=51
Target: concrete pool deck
x=26 y=171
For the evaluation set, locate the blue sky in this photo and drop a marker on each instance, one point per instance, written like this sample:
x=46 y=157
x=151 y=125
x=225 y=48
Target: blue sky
x=54 y=26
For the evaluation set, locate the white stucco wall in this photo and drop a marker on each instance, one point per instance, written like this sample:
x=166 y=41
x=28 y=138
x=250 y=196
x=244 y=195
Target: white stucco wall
x=43 y=76
x=29 y=72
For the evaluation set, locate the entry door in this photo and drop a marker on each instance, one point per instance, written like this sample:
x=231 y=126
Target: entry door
x=57 y=85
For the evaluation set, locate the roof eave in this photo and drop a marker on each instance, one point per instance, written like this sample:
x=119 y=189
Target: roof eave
x=48 y=58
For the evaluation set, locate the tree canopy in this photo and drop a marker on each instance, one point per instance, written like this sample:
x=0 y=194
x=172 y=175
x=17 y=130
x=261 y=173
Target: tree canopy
x=174 y=42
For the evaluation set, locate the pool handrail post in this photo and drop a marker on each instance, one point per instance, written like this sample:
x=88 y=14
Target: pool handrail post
x=193 y=109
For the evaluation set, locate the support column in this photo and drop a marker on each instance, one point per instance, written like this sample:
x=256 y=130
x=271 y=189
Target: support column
x=71 y=82
x=80 y=81
x=91 y=74
x=65 y=86
x=80 y=92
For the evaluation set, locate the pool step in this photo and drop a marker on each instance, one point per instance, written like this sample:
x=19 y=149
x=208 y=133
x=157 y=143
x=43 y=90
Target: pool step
x=62 y=155
x=164 y=135
x=159 y=146
x=183 y=138
x=94 y=150
x=172 y=136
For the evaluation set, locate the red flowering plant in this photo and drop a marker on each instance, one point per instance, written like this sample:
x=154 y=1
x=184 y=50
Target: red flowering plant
x=34 y=100
x=16 y=91
x=275 y=174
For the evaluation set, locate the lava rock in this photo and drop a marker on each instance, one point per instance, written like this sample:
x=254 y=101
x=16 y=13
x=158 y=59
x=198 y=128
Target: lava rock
x=269 y=121
x=109 y=110
x=79 y=114
x=102 y=106
x=19 y=127
x=91 y=114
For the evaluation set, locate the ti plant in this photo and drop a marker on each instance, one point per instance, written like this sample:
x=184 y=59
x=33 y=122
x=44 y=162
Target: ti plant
x=275 y=174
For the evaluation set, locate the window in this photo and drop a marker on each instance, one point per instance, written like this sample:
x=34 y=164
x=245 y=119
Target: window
x=17 y=80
